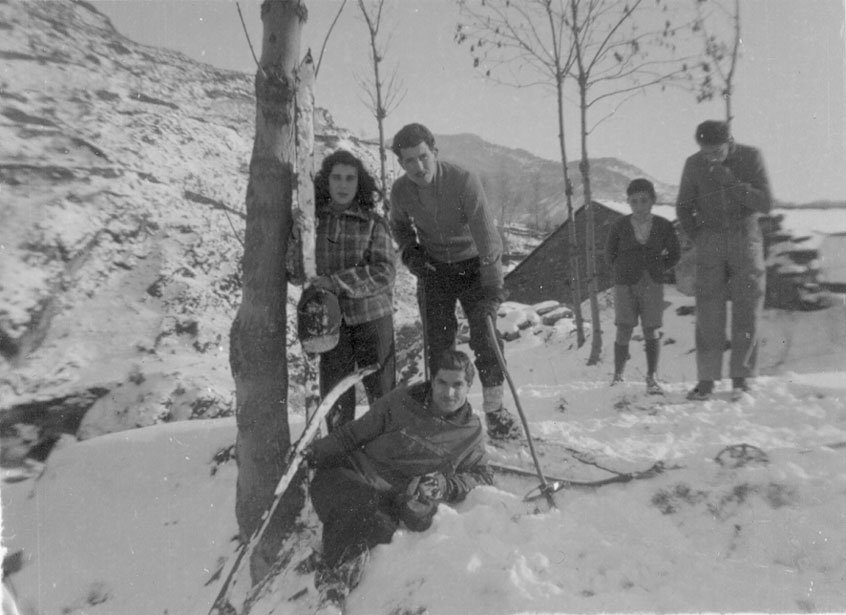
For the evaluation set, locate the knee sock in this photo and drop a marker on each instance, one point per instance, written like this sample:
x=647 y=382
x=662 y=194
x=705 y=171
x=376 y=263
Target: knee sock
x=653 y=351
x=621 y=355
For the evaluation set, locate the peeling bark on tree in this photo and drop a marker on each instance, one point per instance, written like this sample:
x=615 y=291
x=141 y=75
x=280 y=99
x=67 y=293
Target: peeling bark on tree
x=305 y=234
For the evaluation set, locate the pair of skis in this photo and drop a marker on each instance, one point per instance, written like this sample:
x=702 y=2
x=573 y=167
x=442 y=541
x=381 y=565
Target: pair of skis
x=549 y=485
x=555 y=485
x=293 y=461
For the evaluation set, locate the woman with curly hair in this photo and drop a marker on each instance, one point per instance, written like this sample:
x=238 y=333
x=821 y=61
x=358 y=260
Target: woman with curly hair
x=355 y=261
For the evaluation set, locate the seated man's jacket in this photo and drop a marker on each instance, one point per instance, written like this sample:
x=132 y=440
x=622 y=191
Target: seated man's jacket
x=399 y=439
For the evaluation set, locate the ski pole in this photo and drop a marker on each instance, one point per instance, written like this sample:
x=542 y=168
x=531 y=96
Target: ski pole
x=421 y=304
x=544 y=487
x=293 y=459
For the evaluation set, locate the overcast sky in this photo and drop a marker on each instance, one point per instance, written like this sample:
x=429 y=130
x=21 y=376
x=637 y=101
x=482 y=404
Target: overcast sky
x=790 y=88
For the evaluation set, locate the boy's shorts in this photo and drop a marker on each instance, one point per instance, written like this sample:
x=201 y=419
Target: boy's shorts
x=644 y=299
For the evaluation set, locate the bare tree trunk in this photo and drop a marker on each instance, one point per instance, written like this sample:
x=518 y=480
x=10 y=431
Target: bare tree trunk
x=590 y=216
x=257 y=338
x=590 y=242
x=573 y=252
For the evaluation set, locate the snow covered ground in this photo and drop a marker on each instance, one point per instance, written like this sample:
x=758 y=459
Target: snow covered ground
x=136 y=522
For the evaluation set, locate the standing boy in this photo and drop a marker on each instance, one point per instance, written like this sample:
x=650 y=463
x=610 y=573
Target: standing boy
x=724 y=190
x=641 y=248
x=446 y=235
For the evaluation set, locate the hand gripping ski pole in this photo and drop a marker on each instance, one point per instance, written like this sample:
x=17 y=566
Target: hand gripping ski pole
x=293 y=460
x=544 y=487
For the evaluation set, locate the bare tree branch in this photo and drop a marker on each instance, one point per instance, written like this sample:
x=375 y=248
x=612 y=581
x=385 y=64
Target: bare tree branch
x=383 y=96
x=504 y=37
x=326 y=38
x=249 y=42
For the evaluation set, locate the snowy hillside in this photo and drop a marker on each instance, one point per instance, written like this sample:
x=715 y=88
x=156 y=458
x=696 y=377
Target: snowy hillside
x=720 y=529
x=123 y=171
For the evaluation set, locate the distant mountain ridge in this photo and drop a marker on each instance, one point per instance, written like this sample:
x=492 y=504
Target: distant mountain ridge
x=529 y=189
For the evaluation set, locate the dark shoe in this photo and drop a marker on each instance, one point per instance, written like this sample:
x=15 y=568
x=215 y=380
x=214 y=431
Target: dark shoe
x=501 y=425
x=652 y=386
x=702 y=391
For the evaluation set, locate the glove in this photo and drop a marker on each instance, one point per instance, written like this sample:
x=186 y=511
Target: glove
x=432 y=487
x=309 y=457
x=419 y=503
x=488 y=304
x=415 y=258
x=494 y=293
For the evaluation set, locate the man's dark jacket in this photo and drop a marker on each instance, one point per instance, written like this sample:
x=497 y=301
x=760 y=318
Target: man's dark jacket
x=399 y=439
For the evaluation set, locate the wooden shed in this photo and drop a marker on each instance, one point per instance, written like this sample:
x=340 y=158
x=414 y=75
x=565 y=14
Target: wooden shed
x=545 y=273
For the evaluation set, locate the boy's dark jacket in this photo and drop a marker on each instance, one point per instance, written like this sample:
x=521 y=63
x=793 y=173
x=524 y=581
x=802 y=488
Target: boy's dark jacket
x=399 y=439
x=629 y=258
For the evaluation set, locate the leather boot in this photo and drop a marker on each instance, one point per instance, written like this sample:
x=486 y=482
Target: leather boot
x=500 y=423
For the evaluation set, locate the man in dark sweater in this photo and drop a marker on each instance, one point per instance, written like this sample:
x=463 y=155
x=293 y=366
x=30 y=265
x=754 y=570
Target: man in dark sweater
x=641 y=248
x=447 y=238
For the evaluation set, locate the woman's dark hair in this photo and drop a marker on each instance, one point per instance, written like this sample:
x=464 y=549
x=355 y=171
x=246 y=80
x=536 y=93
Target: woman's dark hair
x=367 y=193
x=457 y=361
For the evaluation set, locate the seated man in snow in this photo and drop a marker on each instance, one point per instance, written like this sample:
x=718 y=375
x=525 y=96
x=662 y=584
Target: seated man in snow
x=416 y=447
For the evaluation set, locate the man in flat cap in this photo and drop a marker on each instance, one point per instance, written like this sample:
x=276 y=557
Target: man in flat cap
x=724 y=190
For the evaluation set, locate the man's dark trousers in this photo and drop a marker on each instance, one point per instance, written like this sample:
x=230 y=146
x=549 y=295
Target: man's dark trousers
x=461 y=282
